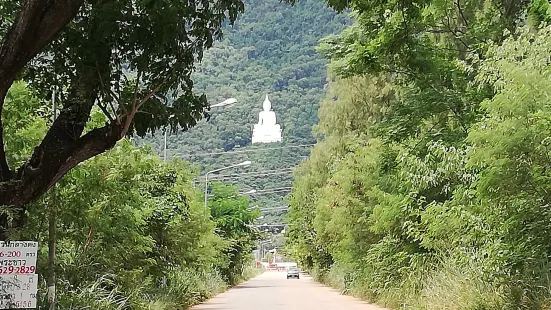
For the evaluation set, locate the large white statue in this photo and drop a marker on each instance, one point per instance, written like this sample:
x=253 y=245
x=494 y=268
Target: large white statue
x=267 y=130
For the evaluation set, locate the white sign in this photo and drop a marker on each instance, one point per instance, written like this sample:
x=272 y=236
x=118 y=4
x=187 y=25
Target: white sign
x=18 y=281
x=18 y=291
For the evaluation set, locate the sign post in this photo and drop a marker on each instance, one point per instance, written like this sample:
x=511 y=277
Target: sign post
x=18 y=280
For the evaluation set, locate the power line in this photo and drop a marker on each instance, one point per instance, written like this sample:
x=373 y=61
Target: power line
x=270 y=208
x=218 y=177
x=249 y=151
x=270 y=190
x=248 y=175
x=252 y=172
x=263 y=191
x=270 y=225
x=267 y=191
x=258 y=193
x=274 y=209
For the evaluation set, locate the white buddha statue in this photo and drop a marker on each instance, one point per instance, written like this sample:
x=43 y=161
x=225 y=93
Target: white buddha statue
x=267 y=130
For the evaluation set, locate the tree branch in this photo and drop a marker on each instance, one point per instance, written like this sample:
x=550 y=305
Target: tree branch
x=458 y=3
x=34 y=180
x=454 y=32
x=136 y=106
x=89 y=240
x=104 y=110
x=151 y=94
x=136 y=87
x=64 y=146
x=37 y=24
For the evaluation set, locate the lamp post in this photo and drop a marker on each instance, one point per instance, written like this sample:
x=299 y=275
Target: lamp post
x=245 y=163
x=241 y=194
x=262 y=244
x=252 y=191
x=228 y=102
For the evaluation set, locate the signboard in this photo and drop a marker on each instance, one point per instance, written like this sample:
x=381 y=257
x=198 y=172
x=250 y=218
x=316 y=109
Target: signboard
x=18 y=291
x=18 y=281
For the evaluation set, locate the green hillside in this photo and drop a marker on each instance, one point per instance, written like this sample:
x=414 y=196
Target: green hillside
x=270 y=50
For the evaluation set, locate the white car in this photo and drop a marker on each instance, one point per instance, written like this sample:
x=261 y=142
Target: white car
x=293 y=272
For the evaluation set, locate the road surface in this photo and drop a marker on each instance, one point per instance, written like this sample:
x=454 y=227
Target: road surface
x=272 y=291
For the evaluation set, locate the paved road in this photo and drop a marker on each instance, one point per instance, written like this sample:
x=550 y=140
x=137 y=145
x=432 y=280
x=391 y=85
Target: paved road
x=272 y=291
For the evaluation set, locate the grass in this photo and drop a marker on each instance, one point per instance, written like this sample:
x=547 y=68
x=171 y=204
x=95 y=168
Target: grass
x=185 y=288
x=461 y=288
x=446 y=286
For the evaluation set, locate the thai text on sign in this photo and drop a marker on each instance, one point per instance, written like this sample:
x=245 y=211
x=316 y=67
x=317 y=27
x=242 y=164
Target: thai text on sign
x=18 y=281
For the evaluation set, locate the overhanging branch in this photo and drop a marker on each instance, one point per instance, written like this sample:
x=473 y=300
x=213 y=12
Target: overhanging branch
x=37 y=24
x=34 y=180
x=137 y=105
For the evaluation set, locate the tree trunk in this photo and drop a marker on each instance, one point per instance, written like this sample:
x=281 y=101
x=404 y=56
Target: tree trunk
x=62 y=149
x=37 y=24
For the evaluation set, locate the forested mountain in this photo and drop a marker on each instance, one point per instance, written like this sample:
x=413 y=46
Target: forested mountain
x=270 y=50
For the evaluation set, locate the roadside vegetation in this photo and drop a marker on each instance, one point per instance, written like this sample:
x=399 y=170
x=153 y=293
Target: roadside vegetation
x=429 y=185
x=130 y=231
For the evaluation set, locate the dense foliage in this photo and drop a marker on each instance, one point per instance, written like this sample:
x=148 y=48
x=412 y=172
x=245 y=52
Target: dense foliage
x=429 y=185
x=83 y=50
x=129 y=230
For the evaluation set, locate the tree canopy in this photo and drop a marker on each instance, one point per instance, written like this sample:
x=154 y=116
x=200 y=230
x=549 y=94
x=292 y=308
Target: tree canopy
x=427 y=188
x=139 y=79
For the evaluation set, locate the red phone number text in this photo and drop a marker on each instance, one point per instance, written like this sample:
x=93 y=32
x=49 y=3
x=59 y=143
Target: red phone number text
x=17 y=270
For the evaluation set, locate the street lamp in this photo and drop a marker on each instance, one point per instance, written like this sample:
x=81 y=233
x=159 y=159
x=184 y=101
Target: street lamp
x=262 y=244
x=166 y=131
x=243 y=164
x=224 y=103
x=227 y=102
x=252 y=191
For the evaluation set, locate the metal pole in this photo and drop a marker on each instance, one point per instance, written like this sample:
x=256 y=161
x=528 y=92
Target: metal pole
x=206 y=189
x=261 y=251
x=165 y=147
x=54 y=104
x=52 y=238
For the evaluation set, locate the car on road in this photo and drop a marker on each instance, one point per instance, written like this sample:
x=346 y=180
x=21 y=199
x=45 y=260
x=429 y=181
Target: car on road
x=293 y=273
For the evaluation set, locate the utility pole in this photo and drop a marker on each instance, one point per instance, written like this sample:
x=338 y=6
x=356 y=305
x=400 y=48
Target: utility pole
x=164 y=155
x=52 y=229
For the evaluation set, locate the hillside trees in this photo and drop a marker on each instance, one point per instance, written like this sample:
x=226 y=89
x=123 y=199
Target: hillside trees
x=248 y=63
x=84 y=49
x=269 y=50
x=428 y=187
